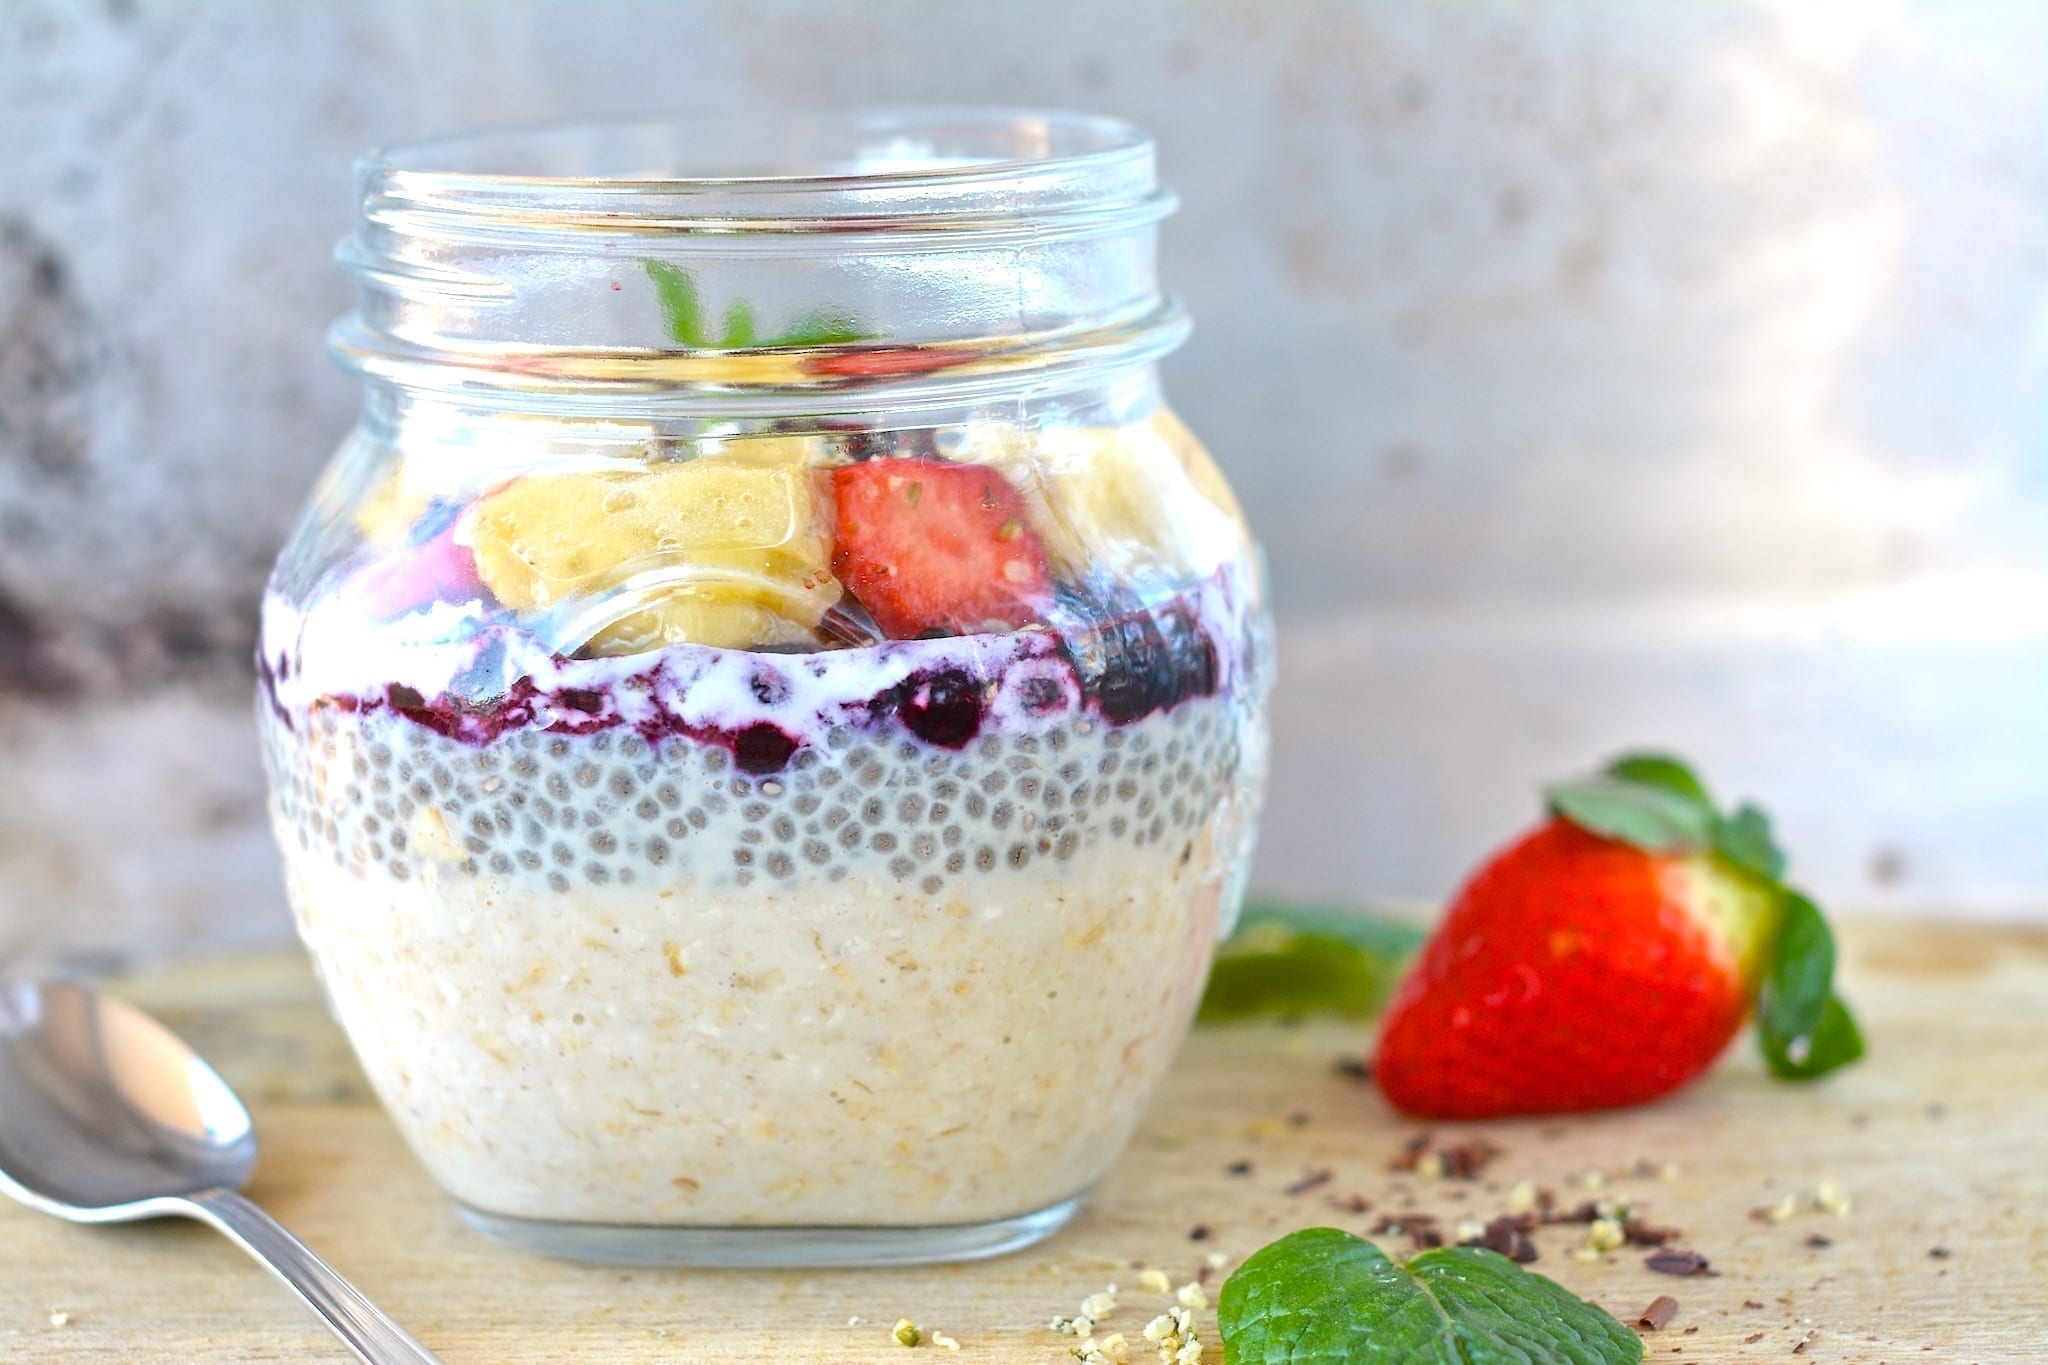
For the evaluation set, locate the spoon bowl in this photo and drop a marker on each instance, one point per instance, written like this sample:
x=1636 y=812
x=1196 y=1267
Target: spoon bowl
x=108 y=1112
x=107 y=1117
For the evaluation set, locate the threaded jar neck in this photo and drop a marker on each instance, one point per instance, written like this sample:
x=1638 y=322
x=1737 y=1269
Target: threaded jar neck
x=803 y=262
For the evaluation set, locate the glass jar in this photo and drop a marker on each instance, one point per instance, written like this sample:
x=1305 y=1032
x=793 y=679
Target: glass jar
x=764 y=714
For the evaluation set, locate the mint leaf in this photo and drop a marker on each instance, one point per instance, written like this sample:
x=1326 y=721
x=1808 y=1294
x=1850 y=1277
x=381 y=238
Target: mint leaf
x=1650 y=817
x=1803 y=1027
x=682 y=308
x=739 y=325
x=1293 y=960
x=1325 y=1297
x=676 y=292
x=1662 y=771
x=1744 y=839
x=823 y=328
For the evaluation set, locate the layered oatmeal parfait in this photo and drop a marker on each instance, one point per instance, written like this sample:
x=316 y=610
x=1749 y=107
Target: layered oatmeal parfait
x=765 y=713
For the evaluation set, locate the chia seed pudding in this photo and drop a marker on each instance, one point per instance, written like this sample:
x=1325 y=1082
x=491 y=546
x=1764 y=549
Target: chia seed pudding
x=896 y=935
x=764 y=741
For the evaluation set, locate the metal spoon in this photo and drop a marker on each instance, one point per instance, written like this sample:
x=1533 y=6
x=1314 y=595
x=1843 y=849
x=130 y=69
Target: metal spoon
x=106 y=1117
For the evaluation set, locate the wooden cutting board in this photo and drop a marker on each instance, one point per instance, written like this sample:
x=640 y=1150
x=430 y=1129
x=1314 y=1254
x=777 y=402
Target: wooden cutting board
x=1939 y=1142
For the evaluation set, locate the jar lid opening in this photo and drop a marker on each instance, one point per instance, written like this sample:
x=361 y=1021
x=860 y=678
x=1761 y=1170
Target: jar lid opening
x=784 y=163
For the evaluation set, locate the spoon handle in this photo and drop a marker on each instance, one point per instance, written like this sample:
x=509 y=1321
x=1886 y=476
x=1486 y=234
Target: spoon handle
x=372 y=1336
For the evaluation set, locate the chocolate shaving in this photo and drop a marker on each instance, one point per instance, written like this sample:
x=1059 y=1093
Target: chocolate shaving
x=1509 y=1237
x=1466 y=1160
x=1199 y=1233
x=1662 y=1310
x=1425 y=1238
x=1584 y=1212
x=1411 y=1152
x=1354 y=1069
x=1804 y=1342
x=1939 y=1253
x=1351 y=1203
x=1461 y=1160
x=1404 y=1223
x=1753 y=1338
x=1314 y=1180
x=1677 y=1263
x=1641 y=1234
x=1818 y=1241
x=1297 y=1119
x=1238 y=1168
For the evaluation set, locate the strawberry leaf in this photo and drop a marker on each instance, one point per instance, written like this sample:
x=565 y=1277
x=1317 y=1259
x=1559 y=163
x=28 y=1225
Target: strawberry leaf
x=1324 y=1297
x=1661 y=770
x=1803 y=1027
x=1744 y=839
x=1648 y=816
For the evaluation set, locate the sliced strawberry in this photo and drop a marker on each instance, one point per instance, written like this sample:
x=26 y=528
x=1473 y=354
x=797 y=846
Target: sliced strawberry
x=931 y=545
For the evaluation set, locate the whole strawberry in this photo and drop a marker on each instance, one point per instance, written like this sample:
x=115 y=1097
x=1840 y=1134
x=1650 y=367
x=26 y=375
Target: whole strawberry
x=1607 y=959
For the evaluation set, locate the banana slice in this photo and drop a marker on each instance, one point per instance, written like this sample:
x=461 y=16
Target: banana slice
x=710 y=551
x=1130 y=502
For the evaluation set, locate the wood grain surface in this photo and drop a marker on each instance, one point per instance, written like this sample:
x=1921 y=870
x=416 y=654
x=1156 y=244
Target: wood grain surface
x=1939 y=1141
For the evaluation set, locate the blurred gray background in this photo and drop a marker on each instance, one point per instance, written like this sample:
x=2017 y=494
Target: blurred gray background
x=1596 y=374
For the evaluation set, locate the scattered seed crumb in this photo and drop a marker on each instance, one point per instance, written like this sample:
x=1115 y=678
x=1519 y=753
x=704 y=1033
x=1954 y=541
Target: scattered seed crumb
x=1605 y=1235
x=1199 y=1233
x=944 y=1342
x=1776 y=1213
x=1469 y=1230
x=1522 y=1198
x=1298 y=1119
x=1939 y=1253
x=1096 y=1307
x=1191 y=1296
x=1238 y=1168
x=853 y=1321
x=1818 y=1242
x=1354 y=1069
x=1430 y=1166
x=1804 y=1342
x=1585 y=1254
x=1662 y=1310
x=1828 y=1198
x=59 y=1318
x=1314 y=1180
x=1593 y=1181
x=1216 y=1260
x=1154 y=1281
x=906 y=1332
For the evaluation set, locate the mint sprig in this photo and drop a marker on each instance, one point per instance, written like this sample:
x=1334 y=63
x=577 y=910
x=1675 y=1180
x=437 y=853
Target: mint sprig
x=682 y=309
x=1324 y=1297
x=1656 y=803
x=1291 y=960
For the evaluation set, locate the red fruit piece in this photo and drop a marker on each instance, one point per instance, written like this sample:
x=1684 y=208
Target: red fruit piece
x=932 y=545
x=407 y=578
x=1576 y=972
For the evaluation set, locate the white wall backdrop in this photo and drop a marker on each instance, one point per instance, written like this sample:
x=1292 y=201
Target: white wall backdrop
x=1597 y=373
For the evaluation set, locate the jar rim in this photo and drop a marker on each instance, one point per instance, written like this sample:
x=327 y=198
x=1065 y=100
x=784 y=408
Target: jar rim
x=791 y=165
